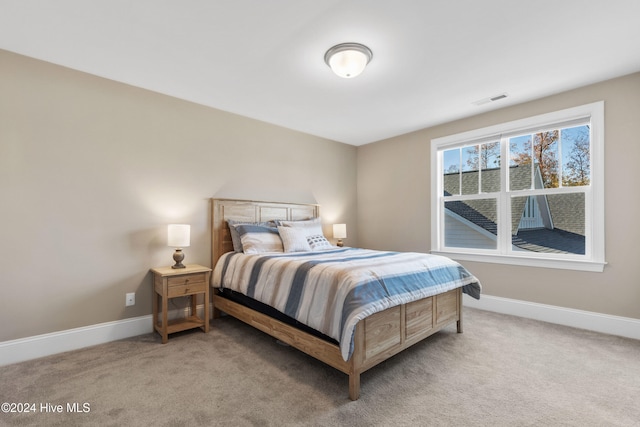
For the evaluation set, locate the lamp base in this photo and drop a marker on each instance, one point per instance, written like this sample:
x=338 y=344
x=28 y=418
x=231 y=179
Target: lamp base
x=178 y=256
x=340 y=243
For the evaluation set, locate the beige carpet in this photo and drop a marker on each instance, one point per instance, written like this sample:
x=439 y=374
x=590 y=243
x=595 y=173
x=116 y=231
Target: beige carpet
x=502 y=371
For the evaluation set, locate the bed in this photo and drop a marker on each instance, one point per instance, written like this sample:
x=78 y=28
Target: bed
x=352 y=340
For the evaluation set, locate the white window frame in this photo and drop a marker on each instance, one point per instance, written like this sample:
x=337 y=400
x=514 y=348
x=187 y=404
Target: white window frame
x=594 y=258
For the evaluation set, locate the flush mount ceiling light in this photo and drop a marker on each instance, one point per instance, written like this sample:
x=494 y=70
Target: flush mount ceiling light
x=348 y=59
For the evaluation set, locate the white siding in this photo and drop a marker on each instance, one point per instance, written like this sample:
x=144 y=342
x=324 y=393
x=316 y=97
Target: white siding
x=460 y=235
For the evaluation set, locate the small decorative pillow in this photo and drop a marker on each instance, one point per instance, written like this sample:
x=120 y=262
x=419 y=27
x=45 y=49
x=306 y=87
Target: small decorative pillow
x=319 y=243
x=294 y=239
x=235 y=237
x=258 y=239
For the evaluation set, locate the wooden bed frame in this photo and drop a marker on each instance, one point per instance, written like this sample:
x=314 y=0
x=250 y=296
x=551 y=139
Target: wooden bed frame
x=377 y=337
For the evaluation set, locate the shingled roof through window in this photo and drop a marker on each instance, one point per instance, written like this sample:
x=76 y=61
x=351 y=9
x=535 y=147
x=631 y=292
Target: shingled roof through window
x=566 y=210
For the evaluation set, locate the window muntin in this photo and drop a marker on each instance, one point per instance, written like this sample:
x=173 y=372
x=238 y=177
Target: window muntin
x=471 y=170
x=561 y=157
x=539 y=208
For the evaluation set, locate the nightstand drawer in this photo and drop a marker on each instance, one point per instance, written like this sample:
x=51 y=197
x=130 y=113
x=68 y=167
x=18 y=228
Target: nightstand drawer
x=187 y=289
x=190 y=279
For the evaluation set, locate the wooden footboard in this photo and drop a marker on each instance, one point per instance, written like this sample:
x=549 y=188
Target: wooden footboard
x=377 y=337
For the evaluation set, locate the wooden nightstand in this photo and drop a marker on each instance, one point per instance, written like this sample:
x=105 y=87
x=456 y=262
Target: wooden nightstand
x=178 y=282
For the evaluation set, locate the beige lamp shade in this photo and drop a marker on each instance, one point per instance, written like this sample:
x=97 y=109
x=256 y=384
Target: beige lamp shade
x=340 y=231
x=178 y=235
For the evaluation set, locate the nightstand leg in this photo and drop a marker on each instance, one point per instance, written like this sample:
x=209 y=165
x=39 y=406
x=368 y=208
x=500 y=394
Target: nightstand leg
x=154 y=307
x=205 y=297
x=165 y=319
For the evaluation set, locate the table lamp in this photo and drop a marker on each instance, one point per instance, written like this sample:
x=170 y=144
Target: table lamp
x=340 y=232
x=178 y=236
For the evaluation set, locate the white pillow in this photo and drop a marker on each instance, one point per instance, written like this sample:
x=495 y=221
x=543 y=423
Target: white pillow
x=258 y=239
x=311 y=227
x=294 y=239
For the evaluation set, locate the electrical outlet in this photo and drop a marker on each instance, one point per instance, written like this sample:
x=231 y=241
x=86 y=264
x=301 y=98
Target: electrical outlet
x=130 y=299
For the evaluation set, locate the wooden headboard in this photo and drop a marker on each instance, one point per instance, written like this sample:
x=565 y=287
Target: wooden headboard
x=251 y=211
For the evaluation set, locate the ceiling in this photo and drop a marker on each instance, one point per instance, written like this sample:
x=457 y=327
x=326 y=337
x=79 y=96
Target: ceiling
x=432 y=59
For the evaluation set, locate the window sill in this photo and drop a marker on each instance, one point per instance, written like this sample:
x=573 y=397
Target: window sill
x=564 y=264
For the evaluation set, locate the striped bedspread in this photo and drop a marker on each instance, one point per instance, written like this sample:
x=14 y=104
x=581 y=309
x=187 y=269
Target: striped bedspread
x=332 y=290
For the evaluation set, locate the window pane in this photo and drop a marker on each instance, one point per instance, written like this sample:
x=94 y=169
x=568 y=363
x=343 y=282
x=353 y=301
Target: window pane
x=549 y=224
x=451 y=172
x=490 y=167
x=539 y=172
x=471 y=224
x=470 y=175
x=545 y=151
x=520 y=163
x=576 y=159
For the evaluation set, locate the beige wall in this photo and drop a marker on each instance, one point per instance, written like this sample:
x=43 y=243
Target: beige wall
x=91 y=171
x=394 y=206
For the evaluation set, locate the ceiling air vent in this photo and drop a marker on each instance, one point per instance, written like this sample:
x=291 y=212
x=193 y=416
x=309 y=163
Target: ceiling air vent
x=491 y=99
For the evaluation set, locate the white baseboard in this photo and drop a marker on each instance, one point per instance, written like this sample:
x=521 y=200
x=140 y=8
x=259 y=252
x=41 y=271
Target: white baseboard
x=72 y=339
x=58 y=342
x=37 y=346
x=598 y=322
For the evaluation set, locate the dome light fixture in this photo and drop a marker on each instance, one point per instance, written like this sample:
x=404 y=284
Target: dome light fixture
x=348 y=60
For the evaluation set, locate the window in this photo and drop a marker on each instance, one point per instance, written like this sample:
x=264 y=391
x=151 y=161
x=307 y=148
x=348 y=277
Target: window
x=528 y=192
